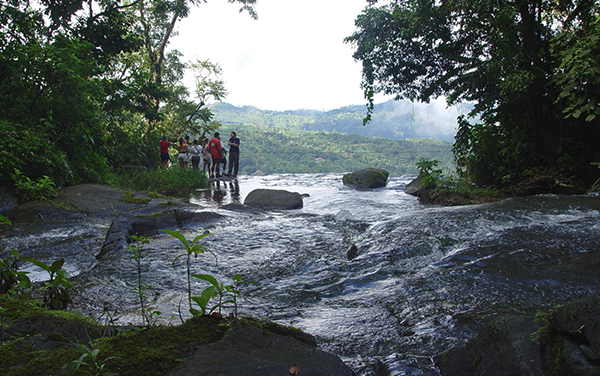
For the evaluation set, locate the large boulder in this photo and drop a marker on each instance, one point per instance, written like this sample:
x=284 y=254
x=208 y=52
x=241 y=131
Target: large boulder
x=503 y=348
x=367 y=178
x=564 y=340
x=274 y=199
x=249 y=351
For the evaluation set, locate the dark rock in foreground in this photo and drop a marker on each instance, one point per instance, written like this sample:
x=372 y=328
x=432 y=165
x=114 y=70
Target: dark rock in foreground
x=368 y=178
x=249 y=351
x=562 y=341
x=274 y=199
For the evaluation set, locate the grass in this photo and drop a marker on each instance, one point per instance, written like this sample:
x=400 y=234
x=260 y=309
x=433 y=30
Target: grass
x=172 y=181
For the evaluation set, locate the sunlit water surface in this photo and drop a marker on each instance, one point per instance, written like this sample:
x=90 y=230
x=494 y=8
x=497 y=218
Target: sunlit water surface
x=424 y=277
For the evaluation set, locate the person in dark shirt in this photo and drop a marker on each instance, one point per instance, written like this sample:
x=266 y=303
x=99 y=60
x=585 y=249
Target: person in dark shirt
x=234 y=154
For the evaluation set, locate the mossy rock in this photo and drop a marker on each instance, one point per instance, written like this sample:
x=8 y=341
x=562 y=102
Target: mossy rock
x=367 y=178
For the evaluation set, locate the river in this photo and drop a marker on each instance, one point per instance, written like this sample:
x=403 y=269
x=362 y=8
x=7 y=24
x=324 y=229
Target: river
x=423 y=278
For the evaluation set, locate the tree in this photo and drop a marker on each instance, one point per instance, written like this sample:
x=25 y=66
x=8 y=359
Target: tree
x=52 y=55
x=157 y=20
x=498 y=55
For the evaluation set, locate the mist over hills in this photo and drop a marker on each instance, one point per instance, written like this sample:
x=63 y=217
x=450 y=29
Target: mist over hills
x=392 y=119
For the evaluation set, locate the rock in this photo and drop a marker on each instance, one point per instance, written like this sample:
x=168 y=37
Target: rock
x=123 y=227
x=274 y=199
x=415 y=187
x=352 y=252
x=8 y=200
x=503 y=348
x=571 y=338
x=249 y=351
x=367 y=178
x=566 y=343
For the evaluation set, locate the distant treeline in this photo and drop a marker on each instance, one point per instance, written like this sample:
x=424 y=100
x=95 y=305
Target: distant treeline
x=392 y=119
x=269 y=150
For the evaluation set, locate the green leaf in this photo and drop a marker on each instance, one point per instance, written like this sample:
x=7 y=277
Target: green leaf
x=208 y=278
x=37 y=263
x=177 y=235
x=56 y=265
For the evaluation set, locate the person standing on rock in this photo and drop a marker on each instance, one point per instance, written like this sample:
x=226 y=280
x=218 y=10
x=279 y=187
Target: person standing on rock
x=164 y=152
x=215 y=146
x=196 y=151
x=182 y=157
x=206 y=158
x=234 y=154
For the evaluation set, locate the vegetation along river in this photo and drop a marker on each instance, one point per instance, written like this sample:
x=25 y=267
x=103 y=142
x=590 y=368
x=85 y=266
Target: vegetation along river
x=422 y=279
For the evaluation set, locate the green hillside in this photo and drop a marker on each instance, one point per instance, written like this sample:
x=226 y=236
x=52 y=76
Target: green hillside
x=392 y=119
x=270 y=150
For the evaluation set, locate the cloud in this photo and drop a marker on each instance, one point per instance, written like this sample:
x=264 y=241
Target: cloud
x=292 y=57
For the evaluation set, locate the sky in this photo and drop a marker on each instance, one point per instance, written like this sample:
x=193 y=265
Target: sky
x=292 y=57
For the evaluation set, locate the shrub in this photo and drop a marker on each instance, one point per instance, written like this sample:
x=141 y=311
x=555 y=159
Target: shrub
x=173 y=181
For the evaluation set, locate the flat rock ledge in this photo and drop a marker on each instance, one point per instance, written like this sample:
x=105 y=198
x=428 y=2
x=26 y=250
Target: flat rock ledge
x=366 y=179
x=274 y=199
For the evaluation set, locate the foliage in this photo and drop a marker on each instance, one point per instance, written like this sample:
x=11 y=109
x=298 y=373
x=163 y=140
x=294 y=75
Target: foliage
x=42 y=189
x=56 y=289
x=515 y=60
x=172 y=181
x=89 y=361
x=5 y=220
x=191 y=248
x=10 y=276
x=225 y=293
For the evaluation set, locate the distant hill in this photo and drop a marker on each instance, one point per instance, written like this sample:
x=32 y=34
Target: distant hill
x=392 y=119
x=276 y=150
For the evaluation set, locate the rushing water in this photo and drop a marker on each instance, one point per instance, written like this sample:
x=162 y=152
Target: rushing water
x=424 y=277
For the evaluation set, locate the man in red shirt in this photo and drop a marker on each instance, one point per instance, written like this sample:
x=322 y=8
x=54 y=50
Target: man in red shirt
x=164 y=152
x=215 y=146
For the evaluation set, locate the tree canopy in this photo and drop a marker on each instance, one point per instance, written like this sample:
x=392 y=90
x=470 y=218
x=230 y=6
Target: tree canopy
x=531 y=69
x=89 y=85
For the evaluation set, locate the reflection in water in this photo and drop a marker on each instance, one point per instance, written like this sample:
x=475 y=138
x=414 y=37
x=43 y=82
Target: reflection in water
x=218 y=192
x=234 y=188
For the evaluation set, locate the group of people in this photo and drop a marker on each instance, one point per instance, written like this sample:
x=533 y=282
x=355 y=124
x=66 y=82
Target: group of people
x=212 y=153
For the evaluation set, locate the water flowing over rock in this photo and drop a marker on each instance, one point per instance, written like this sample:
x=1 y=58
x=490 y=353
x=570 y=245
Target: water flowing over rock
x=124 y=226
x=274 y=199
x=368 y=178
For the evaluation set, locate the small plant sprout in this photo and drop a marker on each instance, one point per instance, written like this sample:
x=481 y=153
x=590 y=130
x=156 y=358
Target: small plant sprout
x=89 y=362
x=149 y=315
x=191 y=248
x=226 y=294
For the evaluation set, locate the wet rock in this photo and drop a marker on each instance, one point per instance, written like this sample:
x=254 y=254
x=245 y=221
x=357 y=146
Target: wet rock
x=352 y=252
x=274 y=199
x=124 y=226
x=566 y=342
x=249 y=351
x=571 y=338
x=368 y=178
x=8 y=200
x=503 y=348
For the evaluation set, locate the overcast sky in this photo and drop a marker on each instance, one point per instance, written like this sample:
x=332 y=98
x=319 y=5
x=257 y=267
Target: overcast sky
x=292 y=57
